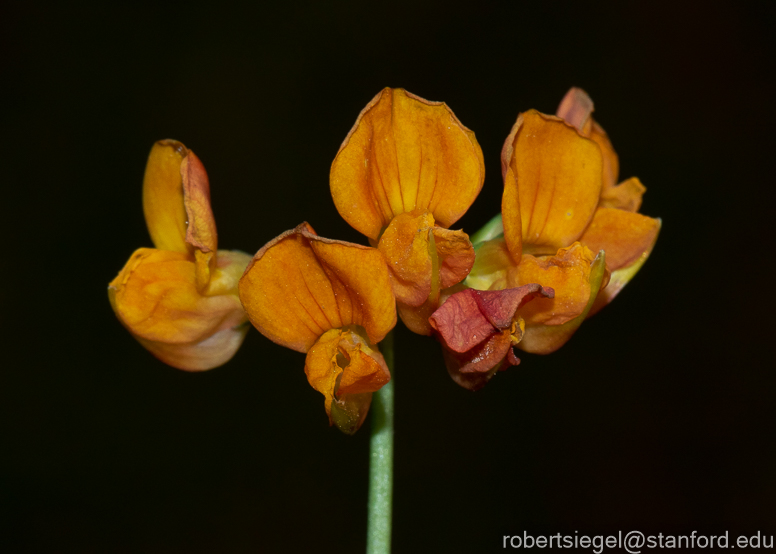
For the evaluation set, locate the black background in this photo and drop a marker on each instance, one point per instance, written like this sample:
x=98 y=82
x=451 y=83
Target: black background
x=657 y=416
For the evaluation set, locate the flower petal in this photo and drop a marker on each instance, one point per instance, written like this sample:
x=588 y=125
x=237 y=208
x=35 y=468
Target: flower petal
x=176 y=200
x=202 y=355
x=405 y=153
x=470 y=317
x=492 y=261
x=156 y=298
x=625 y=196
x=165 y=212
x=567 y=273
x=552 y=183
x=456 y=256
x=544 y=339
x=611 y=163
x=625 y=236
x=300 y=285
x=460 y=322
x=405 y=245
x=624 y=273
x=576 y=108
x=346 y=369
x=474 y=368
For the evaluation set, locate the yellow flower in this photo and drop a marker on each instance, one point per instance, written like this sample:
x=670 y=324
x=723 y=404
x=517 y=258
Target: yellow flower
x=332 y=300
x=407 y=171
x=179 y=300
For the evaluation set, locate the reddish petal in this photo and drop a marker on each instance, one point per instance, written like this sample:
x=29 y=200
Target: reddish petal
x=470 y=317
x=473 y=369
x=461 y=323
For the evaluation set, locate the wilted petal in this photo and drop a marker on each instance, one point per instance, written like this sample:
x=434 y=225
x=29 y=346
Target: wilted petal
x=405 y=153
x=346 y=369
x=567 y=273
x=300 y=285
x=470 y=317
x=460 y=322
x=552 y=183
x=201 y=231
x=155 y=296
x=473 y=369
x=625 y=196
x=544 y=339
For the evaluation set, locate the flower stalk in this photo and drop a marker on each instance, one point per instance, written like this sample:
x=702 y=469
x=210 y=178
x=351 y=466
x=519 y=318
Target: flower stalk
x=380 y=503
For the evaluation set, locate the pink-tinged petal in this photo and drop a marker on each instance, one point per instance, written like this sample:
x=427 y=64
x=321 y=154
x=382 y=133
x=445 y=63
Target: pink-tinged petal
x=544 y=339
x=576 y=108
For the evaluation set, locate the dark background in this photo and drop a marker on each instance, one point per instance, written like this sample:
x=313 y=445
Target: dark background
x=657 y=416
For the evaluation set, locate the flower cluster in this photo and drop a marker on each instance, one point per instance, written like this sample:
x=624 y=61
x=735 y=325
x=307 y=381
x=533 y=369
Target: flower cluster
x=568 y=239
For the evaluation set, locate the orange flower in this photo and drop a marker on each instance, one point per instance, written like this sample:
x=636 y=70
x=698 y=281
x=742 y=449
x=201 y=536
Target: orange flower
x=560 y=207
x=408 y=170
x=332 y=300
x=179 y=300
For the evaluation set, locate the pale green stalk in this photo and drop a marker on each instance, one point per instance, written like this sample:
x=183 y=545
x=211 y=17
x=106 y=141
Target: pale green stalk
x=380 y=504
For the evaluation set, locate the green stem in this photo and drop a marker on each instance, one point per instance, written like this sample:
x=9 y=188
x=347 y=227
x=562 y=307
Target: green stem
x=378 y=534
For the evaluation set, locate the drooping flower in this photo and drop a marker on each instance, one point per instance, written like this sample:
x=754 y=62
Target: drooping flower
x=405 y=173
x=564 y=224
x=179 y=300
x=332 y=300
x=479 y=330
